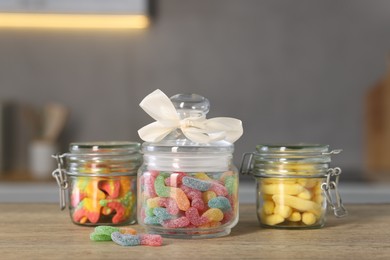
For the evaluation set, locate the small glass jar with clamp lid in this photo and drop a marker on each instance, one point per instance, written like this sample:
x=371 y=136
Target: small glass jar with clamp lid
x=101 y=179
x=187 y=185
x=294 y=184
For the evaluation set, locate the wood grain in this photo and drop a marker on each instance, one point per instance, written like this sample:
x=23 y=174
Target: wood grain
x=42 y=231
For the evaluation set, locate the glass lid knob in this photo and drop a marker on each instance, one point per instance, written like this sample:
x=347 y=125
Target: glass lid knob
x=190 y=103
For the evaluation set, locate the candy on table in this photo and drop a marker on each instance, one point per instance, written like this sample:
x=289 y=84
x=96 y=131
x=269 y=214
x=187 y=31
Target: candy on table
x=135 y=240
x=103 y=233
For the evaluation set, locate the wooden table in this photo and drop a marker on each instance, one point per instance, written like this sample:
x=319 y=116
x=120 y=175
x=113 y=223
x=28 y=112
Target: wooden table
x=42 y=231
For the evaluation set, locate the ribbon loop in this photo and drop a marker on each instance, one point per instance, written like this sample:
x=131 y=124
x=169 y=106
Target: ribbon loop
x=197 y=129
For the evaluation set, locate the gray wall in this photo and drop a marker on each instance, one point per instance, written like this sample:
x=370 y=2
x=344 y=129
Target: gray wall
x=292 y=71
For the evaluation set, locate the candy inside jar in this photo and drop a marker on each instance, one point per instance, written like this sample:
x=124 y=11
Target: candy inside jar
x=294 y=184
x=187 y=185
x=101 y=181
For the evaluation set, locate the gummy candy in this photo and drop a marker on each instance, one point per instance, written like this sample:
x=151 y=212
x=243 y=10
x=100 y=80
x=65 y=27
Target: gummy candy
x=196 y=183
x=103 y=233
x=220 y=202
x=190 y=200
x=135 y=240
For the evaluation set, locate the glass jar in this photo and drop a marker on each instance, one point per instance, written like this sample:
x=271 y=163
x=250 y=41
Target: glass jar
x=101 y=182
x=294 y=184
x=188 y=189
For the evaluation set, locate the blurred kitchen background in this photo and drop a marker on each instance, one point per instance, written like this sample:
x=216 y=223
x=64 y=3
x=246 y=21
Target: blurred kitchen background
x=292 y=71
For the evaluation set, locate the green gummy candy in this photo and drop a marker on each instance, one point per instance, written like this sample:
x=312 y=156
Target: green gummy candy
x=230 y=184
x=159 y=186
x=106 y=230
x=99 y=237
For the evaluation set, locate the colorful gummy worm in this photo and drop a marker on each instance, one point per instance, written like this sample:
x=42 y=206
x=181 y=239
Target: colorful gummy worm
x=125 y=236
x=187 y=200
x=102 y=200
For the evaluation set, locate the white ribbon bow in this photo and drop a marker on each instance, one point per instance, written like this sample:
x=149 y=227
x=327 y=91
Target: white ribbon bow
x=197 y=129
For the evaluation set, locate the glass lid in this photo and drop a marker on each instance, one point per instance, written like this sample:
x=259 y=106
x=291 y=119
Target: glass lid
x=188 y=106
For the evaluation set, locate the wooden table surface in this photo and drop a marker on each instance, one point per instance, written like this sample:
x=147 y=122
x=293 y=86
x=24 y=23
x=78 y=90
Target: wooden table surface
x=42 y=231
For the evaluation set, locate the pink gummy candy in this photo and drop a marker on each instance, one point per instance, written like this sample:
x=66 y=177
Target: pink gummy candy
x=195 y=196
x=148 y=182
x=151 y=240
x=175 y=180
x=219 y=189
x=193 y=216
x=176 y=223
x=170 y=204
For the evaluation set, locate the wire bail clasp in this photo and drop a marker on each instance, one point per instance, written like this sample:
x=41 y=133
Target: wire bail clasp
x=60 y=175
x=246 y=163
x=335 y=201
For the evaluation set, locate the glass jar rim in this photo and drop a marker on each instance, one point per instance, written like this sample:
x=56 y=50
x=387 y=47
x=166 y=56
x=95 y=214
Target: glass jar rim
x=104 y=147
x=298 y=148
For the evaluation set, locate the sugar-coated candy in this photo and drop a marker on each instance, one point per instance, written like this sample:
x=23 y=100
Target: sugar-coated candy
x=152 y=220
x=135 y=240
x=197 y=200
x=220 y=202
x=151 y=240
x=180 y=197
x=213 y=214
x=196 y=183
x=230 y=184
x=103 y=233
x=208 y=195
x=219 y=189
x=195 y=196
x=147 y=182
x=170 y=204
x=177 y=223
x=162 y=213
x=125 y=240
x=175 y=179
x=111 y=187
x=193 y=216
x=161 y=189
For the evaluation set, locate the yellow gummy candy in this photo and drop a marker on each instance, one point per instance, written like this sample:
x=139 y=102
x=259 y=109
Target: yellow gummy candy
x=295 y=217
x=208 y=195
x=307 y=183
x=268 y=207
x=202 y=176
x=297 y=203
x=278 y=181
x=283 y=210
x=271 y=219
x=292 y=189
x=213 y=214
x=308 y=218
x=305 y=194
x=152 y=202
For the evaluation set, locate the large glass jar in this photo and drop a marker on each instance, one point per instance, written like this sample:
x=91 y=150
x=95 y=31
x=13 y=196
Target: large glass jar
x=188 y=189
x=101 y=182
x=293 y=184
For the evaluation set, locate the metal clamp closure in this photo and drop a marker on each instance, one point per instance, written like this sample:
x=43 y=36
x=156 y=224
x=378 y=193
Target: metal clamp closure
x=246 y=163
x=334 y=200
x=60 y=175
